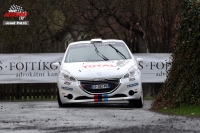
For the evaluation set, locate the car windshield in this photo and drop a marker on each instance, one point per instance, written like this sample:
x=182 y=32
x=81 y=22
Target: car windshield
x=97 y=52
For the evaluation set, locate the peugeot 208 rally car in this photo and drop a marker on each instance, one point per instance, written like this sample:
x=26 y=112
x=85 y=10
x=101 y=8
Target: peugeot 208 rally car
x=99 y=70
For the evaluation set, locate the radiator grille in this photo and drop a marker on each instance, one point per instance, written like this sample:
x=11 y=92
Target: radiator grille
x=113 y=84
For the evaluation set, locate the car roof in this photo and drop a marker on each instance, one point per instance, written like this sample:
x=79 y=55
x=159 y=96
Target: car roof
x=89 y=41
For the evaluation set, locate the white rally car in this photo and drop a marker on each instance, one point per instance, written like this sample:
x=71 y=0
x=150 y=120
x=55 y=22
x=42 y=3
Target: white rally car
x=99 y=70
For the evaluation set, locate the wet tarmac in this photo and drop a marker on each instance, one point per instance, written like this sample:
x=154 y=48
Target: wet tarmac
x=118 y=117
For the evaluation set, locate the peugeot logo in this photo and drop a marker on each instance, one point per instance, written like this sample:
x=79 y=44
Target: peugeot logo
x=99 y=73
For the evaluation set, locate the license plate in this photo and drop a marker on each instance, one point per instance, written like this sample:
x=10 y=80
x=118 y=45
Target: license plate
x=101 y=86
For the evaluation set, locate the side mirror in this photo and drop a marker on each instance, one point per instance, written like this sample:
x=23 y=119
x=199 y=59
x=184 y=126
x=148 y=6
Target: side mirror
x=56 y=64
x=139 y=60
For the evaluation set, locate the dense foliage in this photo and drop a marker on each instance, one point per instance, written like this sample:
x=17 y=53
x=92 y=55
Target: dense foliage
x=142 y=24
x=182 y=86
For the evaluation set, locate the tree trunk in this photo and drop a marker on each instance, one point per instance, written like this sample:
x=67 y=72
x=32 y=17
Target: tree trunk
x=140 y=38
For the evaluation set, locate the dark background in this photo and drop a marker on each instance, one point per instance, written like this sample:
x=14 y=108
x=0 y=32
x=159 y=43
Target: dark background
x=147 y=26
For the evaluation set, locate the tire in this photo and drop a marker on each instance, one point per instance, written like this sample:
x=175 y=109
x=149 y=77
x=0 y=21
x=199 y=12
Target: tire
x=59 y=101
x=137 y=103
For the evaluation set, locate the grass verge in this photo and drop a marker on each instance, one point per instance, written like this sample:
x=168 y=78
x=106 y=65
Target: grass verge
x=148 y=97
x=193 y=111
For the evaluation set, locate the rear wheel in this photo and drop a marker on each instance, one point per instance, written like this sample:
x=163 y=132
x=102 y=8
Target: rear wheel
x=59 y=101
x=137 y=103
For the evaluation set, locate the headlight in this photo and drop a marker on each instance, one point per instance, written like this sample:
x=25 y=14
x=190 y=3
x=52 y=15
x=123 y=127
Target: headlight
x=131 y=74
x=67 y=76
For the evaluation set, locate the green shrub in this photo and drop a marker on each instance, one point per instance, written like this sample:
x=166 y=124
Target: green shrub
x=182 y=86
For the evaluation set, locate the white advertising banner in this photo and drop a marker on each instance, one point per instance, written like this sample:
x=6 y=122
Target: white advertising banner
x=37 y=68
x=154 y=66
x=28 y=68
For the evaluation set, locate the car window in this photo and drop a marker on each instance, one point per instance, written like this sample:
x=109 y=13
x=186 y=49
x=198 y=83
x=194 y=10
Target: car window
x=87 y=53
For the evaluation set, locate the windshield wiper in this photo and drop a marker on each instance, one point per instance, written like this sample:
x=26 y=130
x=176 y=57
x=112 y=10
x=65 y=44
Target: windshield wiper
x=122 y=55
x=98 y=53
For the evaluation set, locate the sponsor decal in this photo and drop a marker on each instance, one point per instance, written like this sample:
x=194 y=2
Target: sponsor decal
x=96 y=66
x=67 y=88
x=123 y=63
x=100 y=97
x=131 y=85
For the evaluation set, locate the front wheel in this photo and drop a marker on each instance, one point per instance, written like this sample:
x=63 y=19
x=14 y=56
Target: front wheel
x=137 y=103
x=59 y=101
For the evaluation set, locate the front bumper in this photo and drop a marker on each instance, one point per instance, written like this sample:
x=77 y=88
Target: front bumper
x=72 y=92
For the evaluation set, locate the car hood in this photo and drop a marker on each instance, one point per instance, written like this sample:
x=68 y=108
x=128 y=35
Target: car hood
x=99 y=70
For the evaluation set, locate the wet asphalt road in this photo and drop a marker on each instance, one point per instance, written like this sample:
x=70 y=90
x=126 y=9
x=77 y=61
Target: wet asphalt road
x=47 y=117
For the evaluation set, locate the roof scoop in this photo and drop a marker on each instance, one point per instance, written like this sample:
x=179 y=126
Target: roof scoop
x=95 y=40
